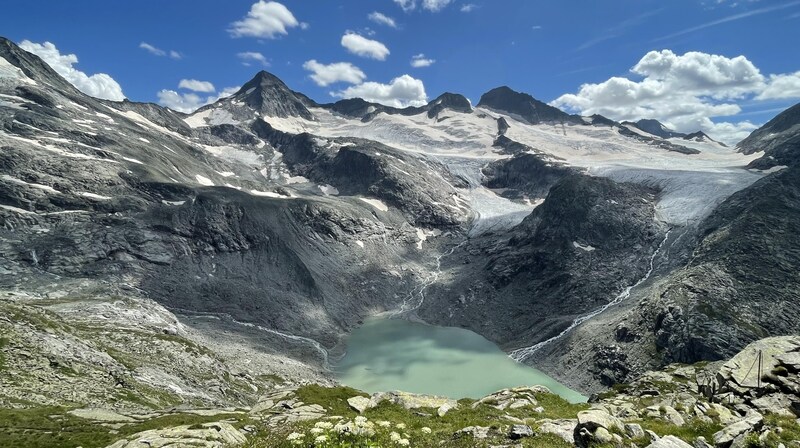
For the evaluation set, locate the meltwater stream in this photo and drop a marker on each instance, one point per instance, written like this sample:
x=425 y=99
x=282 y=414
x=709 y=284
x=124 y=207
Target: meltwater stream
x=396 y=354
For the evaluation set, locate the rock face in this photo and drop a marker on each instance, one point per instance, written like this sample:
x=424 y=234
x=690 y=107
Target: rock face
x=525 y=106
x=588 y=241
x=741 y=272
x=657 y=128
x=168 y=259
x=209 y=435
x=779 y=139
x=269 y=96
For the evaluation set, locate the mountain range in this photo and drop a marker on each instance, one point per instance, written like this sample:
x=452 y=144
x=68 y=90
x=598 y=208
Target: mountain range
x=256 y=232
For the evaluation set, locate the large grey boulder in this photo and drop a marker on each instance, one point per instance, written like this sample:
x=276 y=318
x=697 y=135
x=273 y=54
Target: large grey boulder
x=741 y=372
x=561 y=428
x=359 y=403
x=207 y=435
x=669 y=442
x=726 y=436
x=595 y=426
x=519 y=432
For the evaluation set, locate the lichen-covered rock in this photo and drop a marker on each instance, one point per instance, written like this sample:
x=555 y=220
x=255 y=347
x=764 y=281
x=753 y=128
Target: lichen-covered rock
x=207 y=435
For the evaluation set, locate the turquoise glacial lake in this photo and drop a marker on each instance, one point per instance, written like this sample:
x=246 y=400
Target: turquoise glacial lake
x=394 y=354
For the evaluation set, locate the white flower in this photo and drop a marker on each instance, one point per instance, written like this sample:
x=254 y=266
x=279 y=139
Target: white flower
x=403 y=442
x=323 y=425
x=343 y=428
x=295 y=436
x=316 y=430
x=384 y=424
x=360 y=420
x=400 y=426
x=394 y=437
x=425 y=429
x=321 y=439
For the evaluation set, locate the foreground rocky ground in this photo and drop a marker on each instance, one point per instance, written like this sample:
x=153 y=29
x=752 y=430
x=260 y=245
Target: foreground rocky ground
x=724 y=404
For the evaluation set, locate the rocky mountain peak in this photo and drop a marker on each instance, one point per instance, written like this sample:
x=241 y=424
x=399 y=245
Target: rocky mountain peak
x=452 y=101
x=657 y=128
x=270 y=96
x=32 y=66
x=505 y=99
x=701 y=136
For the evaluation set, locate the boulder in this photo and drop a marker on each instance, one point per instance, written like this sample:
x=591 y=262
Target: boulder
x=741 y=371
x=207 y=435
x=597 y=418
x=561 y=428
x=513 y=398
x=445 y=408
x=519 y=432
x=669 y=442
x=727 y=436
x=101 y=415
x=594 y=427
x=634 y=431
x=673 y=416
x=477 y=432
x=414 y=401
x=700 y=442
x=780 y=404
x=360 y=404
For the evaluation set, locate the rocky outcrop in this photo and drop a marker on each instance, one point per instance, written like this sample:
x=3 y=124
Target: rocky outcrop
x=504 y=99
x=207 y=435
x=779 y=138
x=590 y=240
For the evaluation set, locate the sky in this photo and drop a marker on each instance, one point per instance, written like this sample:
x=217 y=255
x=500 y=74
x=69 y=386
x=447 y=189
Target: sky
x=721 y=66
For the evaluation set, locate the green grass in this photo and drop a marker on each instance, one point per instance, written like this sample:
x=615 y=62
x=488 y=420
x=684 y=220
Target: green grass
x=334 y=399
x=52 y=427
x=790 y=432
x=688 y=432
x=442 y=428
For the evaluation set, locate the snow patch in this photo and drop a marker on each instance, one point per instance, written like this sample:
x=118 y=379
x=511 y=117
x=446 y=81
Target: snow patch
x=360 y=243
x=774 y=169
x=328 y=190
x=586 y=248
x=377 y=203
x=10 y=71
x=133 y=160
x=204 y=180
x=95 y=196
x=173 y=203
x=268 y=194
x=14 y=180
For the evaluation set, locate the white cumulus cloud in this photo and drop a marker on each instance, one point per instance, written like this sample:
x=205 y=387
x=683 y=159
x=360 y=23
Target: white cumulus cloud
x=781 y=87
x=435 y=5
x=265 y=20
x=430 y=5
x=382 y=19
x=99 y=85
x=406 y=5
x=402 y=91
x=361 y=46
x=684 y=92
x=197 y=86
x=189 y=102
x=250 y=57
x=326 y=74
x=159 y=52
x=418 y=61
x=469 y=7
x=182 y=102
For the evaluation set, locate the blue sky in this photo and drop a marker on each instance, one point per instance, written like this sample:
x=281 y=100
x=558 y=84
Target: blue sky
x=546 y=48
